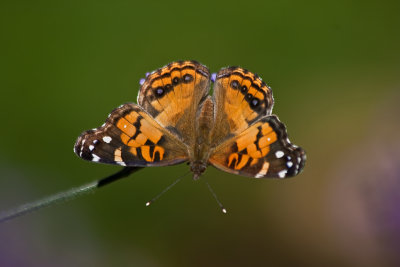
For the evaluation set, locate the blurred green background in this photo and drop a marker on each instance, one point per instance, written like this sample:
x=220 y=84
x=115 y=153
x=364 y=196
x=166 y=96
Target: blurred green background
x=334 y=68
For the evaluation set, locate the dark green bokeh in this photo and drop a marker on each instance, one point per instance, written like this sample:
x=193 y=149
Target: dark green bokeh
x=333 y=66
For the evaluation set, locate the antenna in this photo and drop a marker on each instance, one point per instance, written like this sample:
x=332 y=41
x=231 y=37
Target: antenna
x=148 y=203
x=216 y=198
x=66 y=195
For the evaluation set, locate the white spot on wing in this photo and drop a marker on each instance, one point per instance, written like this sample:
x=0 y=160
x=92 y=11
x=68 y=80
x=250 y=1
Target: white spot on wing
x=121 y=163
x=289 y=164
x=91 y=147
x=279 y=154
x=107 y=139
x=95 y=141
x=95 y=158
x=282 y=174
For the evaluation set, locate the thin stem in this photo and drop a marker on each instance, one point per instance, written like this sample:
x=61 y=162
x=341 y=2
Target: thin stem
x=66 y=195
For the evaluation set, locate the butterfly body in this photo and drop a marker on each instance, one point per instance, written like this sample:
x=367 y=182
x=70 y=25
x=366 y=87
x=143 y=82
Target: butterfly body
x=177 y=120
x=203 y=146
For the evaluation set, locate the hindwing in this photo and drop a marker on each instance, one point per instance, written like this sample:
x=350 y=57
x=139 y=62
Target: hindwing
x=131 y=137
x=262 y=151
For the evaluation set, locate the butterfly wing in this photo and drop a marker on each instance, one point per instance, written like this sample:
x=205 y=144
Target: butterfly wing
x=131 y=137
x=262 y=151
x=241 y=98
x=248 y=140
x=172 y=95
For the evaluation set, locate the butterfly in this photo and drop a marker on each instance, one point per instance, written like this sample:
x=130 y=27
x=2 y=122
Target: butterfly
x=177 y=119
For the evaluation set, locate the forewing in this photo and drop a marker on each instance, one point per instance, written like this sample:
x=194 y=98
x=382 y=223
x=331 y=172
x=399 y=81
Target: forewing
x=241 y=98
x=131 y=137
x=172 y=95
x=261 y=151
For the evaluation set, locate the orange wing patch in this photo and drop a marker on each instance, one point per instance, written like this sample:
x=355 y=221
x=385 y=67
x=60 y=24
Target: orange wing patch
x=146 y=132
x=131 y=137
x=246 y=149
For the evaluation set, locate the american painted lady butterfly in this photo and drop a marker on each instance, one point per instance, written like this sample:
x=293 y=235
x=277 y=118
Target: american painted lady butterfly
x=176 y=120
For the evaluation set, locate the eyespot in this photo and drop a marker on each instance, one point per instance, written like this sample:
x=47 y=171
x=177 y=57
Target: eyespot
x=159 y=91
x=235 y=84
x=254 y=102
x=243 y=89
x=175 y=81
x=187 y=78
x=248 y=97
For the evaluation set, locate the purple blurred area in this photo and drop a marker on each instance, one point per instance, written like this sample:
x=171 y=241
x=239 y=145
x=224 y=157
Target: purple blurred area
x=365 y=191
